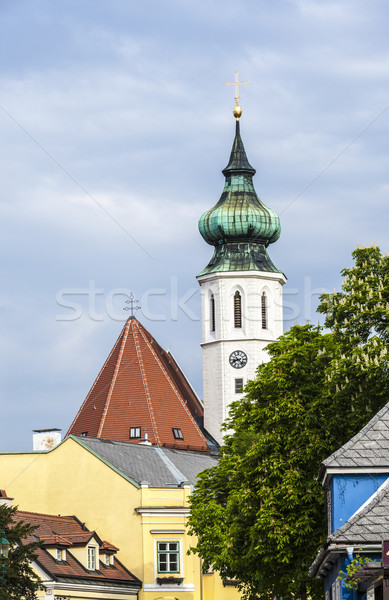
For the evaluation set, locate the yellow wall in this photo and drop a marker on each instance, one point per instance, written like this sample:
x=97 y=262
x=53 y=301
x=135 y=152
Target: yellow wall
x=70 y=480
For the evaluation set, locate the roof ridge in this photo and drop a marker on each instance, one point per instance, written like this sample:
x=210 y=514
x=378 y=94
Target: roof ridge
x=29 y=512
x=145 y=384
x=174 y=470
x=114 y=377
x=178 y=395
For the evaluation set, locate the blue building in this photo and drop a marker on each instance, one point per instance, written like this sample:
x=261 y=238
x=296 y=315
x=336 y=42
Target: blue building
x=355 y=479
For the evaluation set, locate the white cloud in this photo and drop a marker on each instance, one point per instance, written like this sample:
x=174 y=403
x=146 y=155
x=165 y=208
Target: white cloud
x=131 y=103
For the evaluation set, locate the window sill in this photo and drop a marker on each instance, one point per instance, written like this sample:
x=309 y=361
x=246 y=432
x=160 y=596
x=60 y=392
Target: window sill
x=230 y=582
x=169 y=580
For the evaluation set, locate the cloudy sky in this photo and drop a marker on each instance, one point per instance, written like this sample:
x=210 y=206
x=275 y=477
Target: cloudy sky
x=115 y=124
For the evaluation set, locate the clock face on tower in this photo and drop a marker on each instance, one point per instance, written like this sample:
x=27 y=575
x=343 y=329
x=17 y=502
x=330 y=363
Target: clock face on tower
x=238 y=359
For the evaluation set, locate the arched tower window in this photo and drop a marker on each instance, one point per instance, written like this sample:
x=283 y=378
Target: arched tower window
x=264 y=310
x=212 y=312
x=237 y=310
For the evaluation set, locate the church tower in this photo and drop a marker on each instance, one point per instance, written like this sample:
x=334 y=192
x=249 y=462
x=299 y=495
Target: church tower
x=241 y=289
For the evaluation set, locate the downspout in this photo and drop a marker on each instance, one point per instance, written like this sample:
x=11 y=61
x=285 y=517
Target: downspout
x=350 y=556
x=201 y=579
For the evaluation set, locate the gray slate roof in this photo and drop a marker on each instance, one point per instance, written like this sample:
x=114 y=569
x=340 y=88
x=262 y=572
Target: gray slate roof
x=160 y=467
x=368 y=448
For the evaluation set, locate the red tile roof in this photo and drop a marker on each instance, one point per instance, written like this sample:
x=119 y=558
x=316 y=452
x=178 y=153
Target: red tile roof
x=108 y=546
x=54 y=540
x=141 y=385
x=51 y=527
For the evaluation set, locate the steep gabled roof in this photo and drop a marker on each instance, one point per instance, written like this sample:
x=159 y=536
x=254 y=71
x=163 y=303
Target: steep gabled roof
x=141 y=385
x=369 y=448
x=52 y=530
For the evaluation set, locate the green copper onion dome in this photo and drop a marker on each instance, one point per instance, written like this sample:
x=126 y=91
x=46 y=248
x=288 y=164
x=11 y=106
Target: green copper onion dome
x=240 y=226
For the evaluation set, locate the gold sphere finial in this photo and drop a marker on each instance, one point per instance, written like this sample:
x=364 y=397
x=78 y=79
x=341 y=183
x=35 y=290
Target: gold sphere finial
x=237 y=112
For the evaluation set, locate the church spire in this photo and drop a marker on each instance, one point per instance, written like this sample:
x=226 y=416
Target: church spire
x=240 y=226
x=241 y=289
x=238 y=162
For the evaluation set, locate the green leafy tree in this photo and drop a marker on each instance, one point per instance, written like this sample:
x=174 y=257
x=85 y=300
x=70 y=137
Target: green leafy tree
x=259 y=515
x=19 y=579
x=358 y=317
x=350 y=577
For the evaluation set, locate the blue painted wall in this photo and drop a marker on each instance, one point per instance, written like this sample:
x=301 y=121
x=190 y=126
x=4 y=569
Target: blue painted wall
x=349 y=492
x=332 y=578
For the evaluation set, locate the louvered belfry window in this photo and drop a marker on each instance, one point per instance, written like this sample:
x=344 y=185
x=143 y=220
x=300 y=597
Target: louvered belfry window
x=237 y=310
x=212 y=302
x=264 y=310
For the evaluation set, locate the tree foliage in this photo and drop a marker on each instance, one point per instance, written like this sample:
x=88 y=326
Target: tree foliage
x=350 y=577
x=259 y=515
x=19 y=580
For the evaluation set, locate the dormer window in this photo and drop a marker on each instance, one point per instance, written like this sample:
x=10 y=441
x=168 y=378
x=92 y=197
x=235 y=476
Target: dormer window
x=60 y=554
x=135 y=433
x=108 y=560
x=177 y=433
x=91 y=558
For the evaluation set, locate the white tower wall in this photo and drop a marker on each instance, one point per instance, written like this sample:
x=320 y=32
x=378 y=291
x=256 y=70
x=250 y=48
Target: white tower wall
x=251 y=338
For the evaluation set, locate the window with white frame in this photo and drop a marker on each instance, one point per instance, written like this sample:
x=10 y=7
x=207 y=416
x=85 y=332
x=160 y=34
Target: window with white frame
x=168 y=557
x=92 y=558
x=60 y=554
x=108 y=560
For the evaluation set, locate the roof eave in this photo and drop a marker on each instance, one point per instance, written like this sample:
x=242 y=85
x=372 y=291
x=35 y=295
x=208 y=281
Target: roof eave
x=325 y=557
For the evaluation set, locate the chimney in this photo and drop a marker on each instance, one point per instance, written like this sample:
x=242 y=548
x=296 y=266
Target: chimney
x=4 y=500
x=145 y=441
x=46 y=439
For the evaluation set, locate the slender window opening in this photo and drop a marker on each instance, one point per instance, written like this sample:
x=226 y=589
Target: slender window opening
x=237 y=310
x=238 y=386
x=212 y=312
x=264 y=310
x=91 y=558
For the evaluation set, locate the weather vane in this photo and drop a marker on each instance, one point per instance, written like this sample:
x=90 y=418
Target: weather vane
x=132 y=301
x=237 y=110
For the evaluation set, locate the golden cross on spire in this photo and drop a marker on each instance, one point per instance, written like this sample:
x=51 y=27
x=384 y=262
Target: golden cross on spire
x=236 y=83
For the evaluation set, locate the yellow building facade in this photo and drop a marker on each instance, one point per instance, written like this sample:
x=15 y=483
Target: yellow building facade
x=135 y=496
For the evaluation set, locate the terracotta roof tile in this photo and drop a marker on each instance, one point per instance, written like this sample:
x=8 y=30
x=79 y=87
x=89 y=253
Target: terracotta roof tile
x=108 y=546
x=68 y=528
x=141 y=385
x=54 y=540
